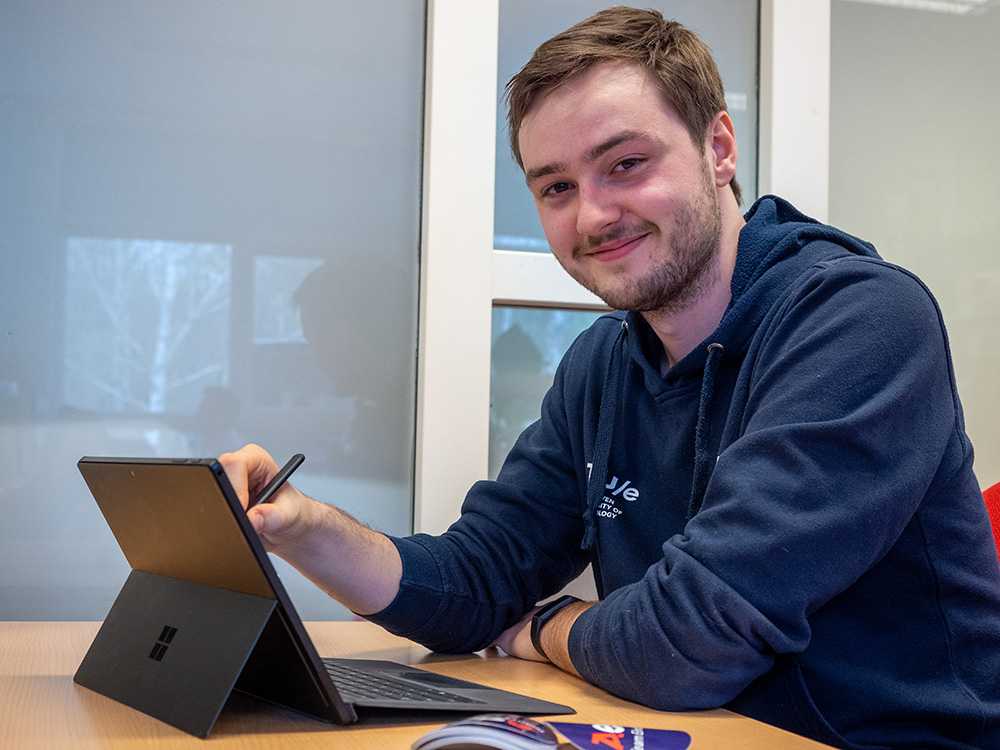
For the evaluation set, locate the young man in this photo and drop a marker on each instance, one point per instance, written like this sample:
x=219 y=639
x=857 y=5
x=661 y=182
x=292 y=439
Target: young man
x=764 y=458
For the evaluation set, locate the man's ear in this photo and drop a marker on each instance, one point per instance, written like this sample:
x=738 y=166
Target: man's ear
x=721 y=140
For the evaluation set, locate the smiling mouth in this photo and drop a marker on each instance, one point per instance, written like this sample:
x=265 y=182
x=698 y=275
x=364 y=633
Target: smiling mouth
x=618 y=250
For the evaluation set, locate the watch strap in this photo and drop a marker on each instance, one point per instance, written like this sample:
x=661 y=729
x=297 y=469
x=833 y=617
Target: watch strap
x=543 y=615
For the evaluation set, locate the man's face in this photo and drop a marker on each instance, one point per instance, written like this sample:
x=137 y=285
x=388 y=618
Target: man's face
x=627 y=201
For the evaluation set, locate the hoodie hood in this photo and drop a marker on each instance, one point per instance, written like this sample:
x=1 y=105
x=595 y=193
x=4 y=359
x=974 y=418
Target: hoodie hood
x=769 y=259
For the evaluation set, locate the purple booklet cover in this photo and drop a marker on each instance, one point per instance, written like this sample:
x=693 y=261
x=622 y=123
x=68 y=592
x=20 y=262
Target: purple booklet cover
x=621 y=738
x=509 y=731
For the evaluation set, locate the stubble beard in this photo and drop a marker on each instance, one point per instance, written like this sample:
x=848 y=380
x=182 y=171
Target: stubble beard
x=679 y=280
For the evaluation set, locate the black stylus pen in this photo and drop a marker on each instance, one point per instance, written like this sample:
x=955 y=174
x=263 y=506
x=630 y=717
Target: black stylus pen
x=279 y=479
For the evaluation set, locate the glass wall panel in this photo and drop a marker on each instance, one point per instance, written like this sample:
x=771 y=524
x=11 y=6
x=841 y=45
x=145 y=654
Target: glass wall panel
x=729 y=27
x=911 y=133
x=199 y=202
x=528 y=344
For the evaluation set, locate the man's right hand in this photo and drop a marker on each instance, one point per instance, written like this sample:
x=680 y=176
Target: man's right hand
x=287 y=517
x=357 y=566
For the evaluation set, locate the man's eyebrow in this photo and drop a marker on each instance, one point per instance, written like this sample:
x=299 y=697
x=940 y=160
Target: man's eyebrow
x=616 y=140
x=594 y=153
x=533 y=174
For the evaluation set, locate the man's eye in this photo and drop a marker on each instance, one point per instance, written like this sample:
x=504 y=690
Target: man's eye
x=626 y=164
x=556 y=187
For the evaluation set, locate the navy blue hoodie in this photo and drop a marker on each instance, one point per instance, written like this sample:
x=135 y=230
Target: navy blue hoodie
x=786 y=524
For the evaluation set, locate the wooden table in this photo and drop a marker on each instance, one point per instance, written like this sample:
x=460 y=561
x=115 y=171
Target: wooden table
x=41 y=707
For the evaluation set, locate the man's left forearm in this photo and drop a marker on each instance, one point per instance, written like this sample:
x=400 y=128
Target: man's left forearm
x=516 y=640
x=555 y=635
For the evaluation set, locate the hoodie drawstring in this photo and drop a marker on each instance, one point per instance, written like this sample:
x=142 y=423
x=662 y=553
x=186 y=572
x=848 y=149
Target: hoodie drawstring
x=703 y=463
x=602 y=446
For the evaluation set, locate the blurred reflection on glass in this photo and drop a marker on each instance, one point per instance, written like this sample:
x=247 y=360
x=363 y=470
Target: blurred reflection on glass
x=276 y=318
x=173 y=179
x=527 y=347
x=728 y=26
x=367 y=386
x=147 y=324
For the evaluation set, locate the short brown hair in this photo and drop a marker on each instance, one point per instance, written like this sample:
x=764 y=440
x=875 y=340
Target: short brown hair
x=679 y=60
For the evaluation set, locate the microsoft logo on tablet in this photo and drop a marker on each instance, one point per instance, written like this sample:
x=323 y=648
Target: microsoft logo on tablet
x=160 y=648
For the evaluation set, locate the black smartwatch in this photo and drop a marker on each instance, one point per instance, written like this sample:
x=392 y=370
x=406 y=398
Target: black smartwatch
x=542 y=616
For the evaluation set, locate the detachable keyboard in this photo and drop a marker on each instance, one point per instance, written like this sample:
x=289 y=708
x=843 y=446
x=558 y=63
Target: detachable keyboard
x=357 y=684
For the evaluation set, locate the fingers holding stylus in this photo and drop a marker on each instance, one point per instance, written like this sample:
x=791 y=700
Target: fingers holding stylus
x=249 y=470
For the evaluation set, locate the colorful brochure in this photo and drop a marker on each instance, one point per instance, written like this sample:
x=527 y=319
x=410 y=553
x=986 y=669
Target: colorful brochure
x=511 y=732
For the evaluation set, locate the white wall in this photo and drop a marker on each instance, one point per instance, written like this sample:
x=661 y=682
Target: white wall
x=914 y=113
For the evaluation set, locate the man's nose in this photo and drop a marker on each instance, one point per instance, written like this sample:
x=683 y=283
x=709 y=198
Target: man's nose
x=596 y=211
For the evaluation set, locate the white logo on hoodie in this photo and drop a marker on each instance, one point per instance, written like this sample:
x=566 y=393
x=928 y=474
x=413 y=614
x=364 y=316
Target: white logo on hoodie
x=616 y=488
